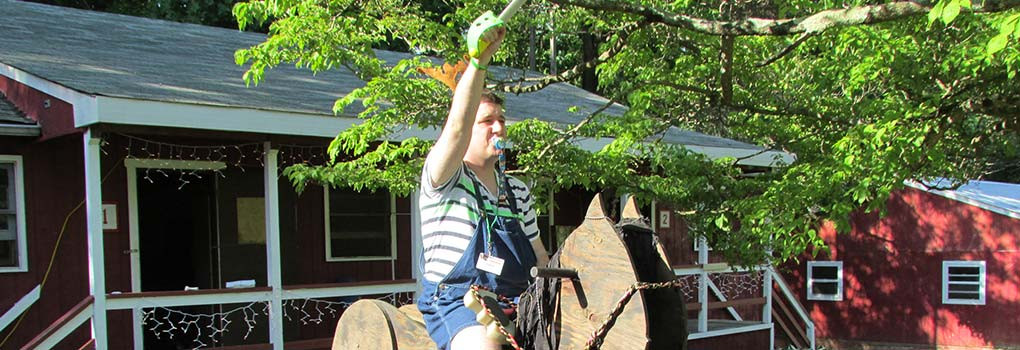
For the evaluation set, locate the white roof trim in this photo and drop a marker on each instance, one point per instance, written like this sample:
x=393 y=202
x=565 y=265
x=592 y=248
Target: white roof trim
x=84 y=104
x=965 y=199
x=126 y=111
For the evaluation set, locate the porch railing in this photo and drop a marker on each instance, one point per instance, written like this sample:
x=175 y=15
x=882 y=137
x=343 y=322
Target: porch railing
x=790 y=322
x=19 y=307
x=699 y=275
x=789 y=314
x=147 y=300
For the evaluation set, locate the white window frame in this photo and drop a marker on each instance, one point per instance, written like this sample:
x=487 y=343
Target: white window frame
x=329 y=241
x=19 y=212
x=811 y=280
x=982 y=280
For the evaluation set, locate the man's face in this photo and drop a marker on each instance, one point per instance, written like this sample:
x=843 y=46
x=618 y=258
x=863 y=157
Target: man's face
x=489 y=122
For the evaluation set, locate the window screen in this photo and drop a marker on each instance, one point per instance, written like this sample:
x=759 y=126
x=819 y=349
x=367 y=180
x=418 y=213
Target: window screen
x=359 y=224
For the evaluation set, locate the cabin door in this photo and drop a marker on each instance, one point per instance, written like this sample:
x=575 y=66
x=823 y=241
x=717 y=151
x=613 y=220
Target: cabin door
x=177 y=224
x=176 y=217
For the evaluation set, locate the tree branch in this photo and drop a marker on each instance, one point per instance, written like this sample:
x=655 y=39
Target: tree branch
x=787 y=50
x=726 y=64
x=567 y=135
x=576 y=71
x=679 y=87
x=814 y=23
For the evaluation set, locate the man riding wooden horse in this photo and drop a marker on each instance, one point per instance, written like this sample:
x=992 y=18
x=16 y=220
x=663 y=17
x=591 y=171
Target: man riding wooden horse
x=480 y=245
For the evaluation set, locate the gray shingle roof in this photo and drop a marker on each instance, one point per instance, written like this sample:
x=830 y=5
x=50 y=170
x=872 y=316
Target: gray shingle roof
x=9 y=114
x=122 y=56
x=13 y=122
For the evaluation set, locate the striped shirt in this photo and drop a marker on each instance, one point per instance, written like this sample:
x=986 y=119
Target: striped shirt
x=449 y=215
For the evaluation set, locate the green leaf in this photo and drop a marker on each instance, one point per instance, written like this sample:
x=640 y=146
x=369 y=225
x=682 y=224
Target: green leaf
x=722 y=223
x=936 y=12
x=950 y=12
x=997 y=43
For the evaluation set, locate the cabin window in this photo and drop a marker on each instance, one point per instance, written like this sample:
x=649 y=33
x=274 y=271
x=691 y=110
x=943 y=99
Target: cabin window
x=13 y=247
x=825 y=280
x=360 y=225
x=963 y=282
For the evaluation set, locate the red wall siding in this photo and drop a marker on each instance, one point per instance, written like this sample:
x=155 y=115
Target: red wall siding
x=675 y=239
x=678 y=241
x=893 y=271
x=307 y=247
x=53 y=191
x=57 y=120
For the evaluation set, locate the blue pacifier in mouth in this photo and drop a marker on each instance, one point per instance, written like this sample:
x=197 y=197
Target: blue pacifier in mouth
x=499 y=143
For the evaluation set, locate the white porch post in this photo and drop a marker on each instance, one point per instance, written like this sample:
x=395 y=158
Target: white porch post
x=416 y=245
x=272 y=199
x=94 y=227
x=703 y=285
x=766 y=289
x=766 y=316
x=137 y=314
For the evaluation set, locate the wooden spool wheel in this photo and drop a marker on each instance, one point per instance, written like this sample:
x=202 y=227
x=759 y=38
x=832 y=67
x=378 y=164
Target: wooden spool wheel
x=605 y=272
x=371 y=324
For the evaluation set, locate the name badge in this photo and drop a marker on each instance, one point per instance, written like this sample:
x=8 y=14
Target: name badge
x=489 y=264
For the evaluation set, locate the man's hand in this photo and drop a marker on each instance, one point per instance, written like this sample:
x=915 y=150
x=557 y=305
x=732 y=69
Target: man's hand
x=495 y=38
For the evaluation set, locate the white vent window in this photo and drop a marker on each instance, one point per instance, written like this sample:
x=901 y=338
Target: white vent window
x=963 y=282
x=825 y=280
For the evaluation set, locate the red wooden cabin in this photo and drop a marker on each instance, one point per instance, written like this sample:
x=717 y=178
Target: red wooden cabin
x=940 y=270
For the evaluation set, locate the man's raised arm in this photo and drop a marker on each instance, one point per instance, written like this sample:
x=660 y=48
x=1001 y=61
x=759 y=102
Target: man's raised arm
x=448 y=152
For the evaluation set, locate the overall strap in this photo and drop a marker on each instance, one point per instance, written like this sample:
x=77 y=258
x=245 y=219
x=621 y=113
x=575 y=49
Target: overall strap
x=478 y=197
x=510 y=199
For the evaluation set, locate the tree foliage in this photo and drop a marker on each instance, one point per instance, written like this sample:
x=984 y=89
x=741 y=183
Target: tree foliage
x=866 y=94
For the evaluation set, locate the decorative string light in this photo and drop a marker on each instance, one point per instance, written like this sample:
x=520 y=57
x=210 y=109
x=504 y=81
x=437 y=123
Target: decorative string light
x=732 y=285
x=209 y=328
x=232 y=155
x=738 y=285
x=300 y=154
x=165 y=154
x=689 y=286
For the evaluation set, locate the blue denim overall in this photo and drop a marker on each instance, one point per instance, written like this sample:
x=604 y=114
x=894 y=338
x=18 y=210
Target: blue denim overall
x=442 y=304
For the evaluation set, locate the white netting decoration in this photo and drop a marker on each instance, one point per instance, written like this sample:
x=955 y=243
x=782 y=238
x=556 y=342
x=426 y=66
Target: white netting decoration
x=203 y=330
x=689 y=286
x=738 y=285
x=732 y=285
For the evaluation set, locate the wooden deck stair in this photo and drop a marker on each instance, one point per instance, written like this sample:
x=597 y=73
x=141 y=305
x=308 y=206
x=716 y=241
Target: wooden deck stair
x=789 y=316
